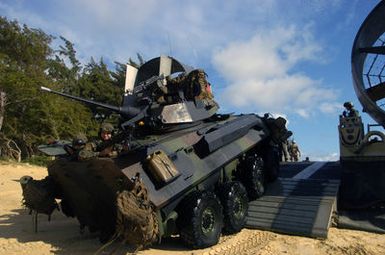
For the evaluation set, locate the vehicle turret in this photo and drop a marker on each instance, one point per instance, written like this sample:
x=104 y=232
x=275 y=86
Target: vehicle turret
x=161 y=93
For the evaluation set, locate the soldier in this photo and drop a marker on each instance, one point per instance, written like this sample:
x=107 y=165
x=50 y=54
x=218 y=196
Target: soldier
x=194 y=86
x=198 y=85
x=350 y=111
x=285 y=151
x=105 y=132
x=107 y=148
x=79 y=142
x=295 y=153
x=81 y=149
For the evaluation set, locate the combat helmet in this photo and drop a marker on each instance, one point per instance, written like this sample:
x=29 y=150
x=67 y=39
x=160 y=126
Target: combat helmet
x=79 y=140
x=348 y=105
x=106 y=127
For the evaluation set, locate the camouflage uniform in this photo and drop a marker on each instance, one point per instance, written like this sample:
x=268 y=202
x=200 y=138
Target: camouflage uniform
x=197 y=86
x=295 y=153
x=82 y=149
x=194 y=85
x=285 y=151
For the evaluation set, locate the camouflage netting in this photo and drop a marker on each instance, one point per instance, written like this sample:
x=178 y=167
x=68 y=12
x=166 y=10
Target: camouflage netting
x=136 y=220
x=194 y=85
x=39 y=195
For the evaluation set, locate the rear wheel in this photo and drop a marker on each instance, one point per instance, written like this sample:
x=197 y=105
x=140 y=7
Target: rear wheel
x=200 y=219
x=234 y=200
x=252 y=176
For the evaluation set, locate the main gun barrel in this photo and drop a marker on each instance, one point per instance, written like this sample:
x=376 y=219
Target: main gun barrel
x=125 y=111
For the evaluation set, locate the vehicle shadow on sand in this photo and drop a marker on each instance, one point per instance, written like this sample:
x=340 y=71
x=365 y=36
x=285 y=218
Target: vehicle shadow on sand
x=64 y=237
x=61 y=233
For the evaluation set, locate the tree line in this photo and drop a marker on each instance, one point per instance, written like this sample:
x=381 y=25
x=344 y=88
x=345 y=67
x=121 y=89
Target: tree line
x=29 y=117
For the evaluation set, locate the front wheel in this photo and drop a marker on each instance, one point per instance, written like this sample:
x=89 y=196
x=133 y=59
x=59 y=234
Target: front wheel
x=200 y=219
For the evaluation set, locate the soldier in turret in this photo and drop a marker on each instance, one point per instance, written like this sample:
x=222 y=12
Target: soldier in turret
x=107 y=148
x=106 y=131
x=194 y=85
x=350 y=111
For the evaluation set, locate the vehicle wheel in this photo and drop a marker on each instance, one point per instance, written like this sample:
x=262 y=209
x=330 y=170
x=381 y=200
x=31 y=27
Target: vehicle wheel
x=200 y=219
x=271 y=160
x=252 y=176
x=235 y=204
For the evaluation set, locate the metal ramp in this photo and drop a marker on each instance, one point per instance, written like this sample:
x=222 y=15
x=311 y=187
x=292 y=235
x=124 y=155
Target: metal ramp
x=295 y=206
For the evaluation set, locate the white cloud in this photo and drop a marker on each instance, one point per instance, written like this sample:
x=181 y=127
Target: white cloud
x=15 y=11
x=303 y=113
x=256 y=62
x=331 y=108
x=260 y=72
x=120 y=28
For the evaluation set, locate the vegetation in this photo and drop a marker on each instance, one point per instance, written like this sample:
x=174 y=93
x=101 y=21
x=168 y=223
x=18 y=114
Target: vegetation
x=27 y=116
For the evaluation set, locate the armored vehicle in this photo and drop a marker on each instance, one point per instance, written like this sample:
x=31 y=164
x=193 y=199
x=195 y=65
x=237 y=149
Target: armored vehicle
x=183 y=168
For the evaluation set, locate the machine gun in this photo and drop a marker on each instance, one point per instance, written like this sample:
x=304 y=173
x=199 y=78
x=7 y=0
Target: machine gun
x=149 y=83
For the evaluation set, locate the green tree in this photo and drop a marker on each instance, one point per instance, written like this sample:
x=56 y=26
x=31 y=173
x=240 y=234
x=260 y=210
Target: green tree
x=31 y=117
x=65 y=72
x=119 y=75
x=97 y=84
x=66 y=75
x=23 y=53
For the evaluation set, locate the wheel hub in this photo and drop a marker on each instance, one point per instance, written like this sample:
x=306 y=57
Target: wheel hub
x=208 y=220
x=238 y=208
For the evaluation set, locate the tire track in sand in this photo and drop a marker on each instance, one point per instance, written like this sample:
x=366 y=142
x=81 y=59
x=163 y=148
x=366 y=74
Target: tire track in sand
x=240 y=244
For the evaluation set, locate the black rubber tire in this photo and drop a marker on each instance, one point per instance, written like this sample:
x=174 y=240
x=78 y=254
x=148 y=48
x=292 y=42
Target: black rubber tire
x=271 y=165
x=200 y=219
x=235 y=204
x=252 y=176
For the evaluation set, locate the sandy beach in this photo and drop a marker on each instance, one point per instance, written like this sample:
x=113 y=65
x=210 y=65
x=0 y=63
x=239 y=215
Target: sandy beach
x=62 y=235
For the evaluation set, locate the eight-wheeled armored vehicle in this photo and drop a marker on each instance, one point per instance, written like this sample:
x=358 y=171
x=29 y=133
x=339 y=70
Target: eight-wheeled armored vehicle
x=184 y=169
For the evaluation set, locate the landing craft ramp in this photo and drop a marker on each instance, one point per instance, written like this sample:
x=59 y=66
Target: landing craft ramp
x=301 y=202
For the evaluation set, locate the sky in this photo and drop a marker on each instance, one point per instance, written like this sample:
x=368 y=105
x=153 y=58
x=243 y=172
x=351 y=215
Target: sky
x=290 y=58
